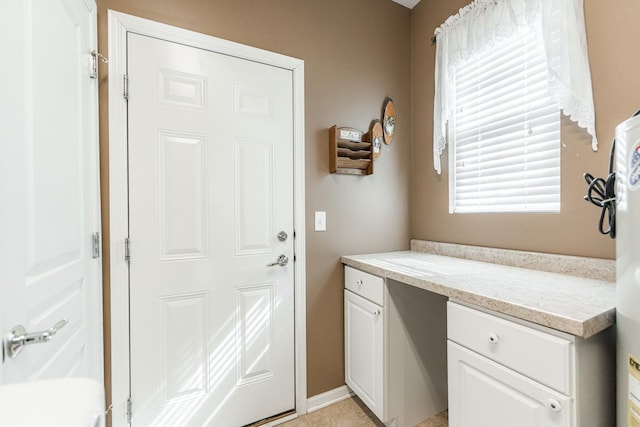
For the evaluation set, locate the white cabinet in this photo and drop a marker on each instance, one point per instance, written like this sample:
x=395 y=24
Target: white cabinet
x=395 y=348
x=363 y=350
x=485 y=393
x=505 y=372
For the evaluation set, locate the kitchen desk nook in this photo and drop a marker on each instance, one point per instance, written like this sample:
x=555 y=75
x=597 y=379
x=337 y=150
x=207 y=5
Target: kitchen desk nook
x=503 y=338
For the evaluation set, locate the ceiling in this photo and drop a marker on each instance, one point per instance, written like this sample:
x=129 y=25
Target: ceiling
x=407 y=3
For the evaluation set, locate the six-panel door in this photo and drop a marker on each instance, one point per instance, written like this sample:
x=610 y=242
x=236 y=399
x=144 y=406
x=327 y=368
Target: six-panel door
x=211 y=188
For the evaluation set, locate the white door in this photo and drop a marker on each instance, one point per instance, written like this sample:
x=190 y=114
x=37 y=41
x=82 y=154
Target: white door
x=483 y=393
x=364 y=368
x=210 y=189
x=49 y=189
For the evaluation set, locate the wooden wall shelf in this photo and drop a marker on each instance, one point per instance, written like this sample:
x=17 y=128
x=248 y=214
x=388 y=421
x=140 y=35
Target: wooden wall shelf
x=350 y=151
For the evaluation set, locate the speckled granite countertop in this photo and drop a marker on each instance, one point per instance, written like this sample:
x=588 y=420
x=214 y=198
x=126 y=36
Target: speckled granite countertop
x=576 y=305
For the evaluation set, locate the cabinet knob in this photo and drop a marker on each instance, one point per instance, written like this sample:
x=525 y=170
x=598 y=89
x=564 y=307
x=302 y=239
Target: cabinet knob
x=376 y=313
x=359 y=282
x=493 y=338
x=554 y=405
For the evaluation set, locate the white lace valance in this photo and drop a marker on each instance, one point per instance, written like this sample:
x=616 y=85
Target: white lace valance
x=476 y=28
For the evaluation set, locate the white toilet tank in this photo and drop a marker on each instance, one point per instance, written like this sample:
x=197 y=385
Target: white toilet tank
x=64 y=402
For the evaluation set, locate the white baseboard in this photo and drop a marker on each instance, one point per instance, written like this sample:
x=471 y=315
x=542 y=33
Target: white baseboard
x=327 y=398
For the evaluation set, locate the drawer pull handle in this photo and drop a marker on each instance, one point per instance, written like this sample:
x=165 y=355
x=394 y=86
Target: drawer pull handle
x=493 y=339
x=554 y=405
x=359 y=282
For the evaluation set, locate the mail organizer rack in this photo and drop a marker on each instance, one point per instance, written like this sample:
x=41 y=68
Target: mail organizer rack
x=350 y=151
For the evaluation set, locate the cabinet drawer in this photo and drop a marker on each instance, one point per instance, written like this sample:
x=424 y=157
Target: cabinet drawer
x=484 y=393
x=364 y=284
x=538 y=355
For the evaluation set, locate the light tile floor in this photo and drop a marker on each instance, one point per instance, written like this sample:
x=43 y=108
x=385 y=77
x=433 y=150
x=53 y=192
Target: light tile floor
x=353 y=413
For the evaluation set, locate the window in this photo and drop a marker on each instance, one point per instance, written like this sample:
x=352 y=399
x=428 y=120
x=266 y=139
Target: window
x=504 y=135
x=504 y=71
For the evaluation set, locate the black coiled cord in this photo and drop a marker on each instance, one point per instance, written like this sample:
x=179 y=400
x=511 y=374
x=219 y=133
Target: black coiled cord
x=602 y=193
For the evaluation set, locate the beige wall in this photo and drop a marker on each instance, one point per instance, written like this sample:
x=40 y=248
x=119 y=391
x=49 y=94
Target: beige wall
x=356 y=53
x=613 y=33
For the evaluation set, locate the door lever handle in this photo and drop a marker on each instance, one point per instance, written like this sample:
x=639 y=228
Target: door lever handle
x=282 y=261
x=18 y=337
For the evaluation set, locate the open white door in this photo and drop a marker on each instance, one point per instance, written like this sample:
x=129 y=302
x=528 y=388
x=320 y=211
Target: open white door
x=49 y=189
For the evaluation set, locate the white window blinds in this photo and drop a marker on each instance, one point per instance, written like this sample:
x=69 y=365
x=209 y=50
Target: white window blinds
x=505 y=131
x=483 y=23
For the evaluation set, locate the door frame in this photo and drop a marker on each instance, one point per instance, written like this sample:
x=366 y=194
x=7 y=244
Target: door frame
x=119 y=24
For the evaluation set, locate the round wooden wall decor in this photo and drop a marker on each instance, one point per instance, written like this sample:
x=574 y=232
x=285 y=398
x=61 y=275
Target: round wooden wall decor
x=376 y=137
x=388 y=120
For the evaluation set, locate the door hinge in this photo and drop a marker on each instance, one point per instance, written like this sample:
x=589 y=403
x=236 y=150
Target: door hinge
x=127 y=249
x=129 y=411
x=93 y=67
x=95 y=245
x=125 y=86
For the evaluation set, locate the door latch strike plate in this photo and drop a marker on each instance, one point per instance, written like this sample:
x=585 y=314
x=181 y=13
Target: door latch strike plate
x=129 y=411
x=127 y=249
x=95 y=245
x=125 y=87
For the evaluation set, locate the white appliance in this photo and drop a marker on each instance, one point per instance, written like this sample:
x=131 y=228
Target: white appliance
x=628 y=271
x=61 y=402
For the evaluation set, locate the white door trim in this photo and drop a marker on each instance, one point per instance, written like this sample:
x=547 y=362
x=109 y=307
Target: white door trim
x=119 y=25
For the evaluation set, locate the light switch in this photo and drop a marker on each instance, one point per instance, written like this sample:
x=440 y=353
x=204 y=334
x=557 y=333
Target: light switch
x=321 y=221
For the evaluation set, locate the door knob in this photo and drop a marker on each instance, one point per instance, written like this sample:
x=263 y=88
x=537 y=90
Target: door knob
x=282 y=261
x=18 y=337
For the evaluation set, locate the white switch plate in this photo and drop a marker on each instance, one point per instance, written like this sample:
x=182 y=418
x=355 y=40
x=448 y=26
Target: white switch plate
x=321 y=221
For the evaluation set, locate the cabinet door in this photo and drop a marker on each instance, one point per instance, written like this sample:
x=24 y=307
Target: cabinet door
x=483 y=393
x=364 y=351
